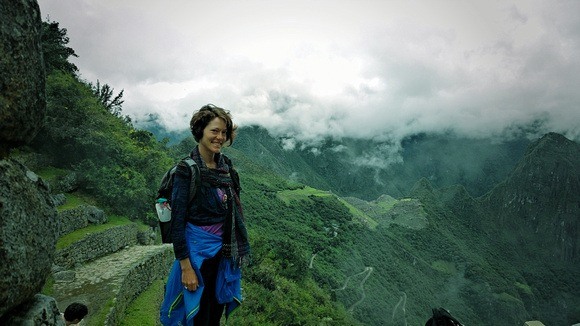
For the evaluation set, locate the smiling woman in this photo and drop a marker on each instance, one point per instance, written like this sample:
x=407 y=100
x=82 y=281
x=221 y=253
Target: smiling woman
x=209 y=236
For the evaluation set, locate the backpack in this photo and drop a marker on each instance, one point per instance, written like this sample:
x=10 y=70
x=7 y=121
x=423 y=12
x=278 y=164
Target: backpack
x=163 y=199
x=442 y=317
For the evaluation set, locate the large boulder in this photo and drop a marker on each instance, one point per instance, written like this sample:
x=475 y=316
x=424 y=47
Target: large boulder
x=40 y=310
x=28 y=233
x=22 y=77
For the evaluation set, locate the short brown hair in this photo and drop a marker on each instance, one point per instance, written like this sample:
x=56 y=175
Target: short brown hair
x=75 y=311
x=205 y=115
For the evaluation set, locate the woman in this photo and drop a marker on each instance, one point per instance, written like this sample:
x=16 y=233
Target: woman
x=210 y=241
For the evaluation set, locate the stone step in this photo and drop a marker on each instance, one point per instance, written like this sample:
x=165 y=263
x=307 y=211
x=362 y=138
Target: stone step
x=108 y=284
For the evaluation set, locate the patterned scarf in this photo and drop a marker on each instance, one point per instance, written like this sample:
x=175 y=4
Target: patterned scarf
x=235 y=244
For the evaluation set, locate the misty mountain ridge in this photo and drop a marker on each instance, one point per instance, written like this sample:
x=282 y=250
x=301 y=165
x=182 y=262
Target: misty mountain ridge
x=541 y=199
x=367 y=169
x=535 y=210
x=532 y=186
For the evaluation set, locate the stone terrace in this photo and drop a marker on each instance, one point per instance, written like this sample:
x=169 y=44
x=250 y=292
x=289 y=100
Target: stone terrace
x=107 y=269
x=108 y=284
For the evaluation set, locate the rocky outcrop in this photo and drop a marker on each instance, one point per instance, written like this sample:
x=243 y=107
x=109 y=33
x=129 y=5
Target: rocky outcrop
x=28 y=234
x=41 y=310
x=28 y=221
x=22 y=78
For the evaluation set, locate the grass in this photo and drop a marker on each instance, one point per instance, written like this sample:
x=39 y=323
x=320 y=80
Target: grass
x=357 y=213
x=76 y=199
x=101 y=315
x=444 y=267
x=288 y=196
x=77 y=235
x=524 y=288
x=47 y=289
x=50 y=173
x=144 y=310
x=387 y=203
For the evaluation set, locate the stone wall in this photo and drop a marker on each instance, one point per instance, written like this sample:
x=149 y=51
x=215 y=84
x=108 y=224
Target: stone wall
x=79 y=217
x=97 y=245
x=139 y=278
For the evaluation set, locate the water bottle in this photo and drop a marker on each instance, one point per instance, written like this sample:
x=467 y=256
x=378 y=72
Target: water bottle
x=163 y=210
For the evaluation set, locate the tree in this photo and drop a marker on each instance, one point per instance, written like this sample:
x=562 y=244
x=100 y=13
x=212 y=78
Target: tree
x=54 y=49
x=105 y=95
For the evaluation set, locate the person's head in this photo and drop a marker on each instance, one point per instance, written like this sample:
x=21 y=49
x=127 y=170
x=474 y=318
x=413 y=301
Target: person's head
x=75 y=312
x=212 y=125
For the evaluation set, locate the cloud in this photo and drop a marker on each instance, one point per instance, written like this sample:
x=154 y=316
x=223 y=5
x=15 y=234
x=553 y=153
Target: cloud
x=307 y=70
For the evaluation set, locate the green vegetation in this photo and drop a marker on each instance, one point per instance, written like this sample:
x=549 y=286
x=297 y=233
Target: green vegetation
x=524 y=287
x=51 y=173
x=98 y=317
x=76 y=199
x=444 y=267
x=359 y=215
x=287 y=196
x=47 y=288
x=144 y=310
x=318 y=258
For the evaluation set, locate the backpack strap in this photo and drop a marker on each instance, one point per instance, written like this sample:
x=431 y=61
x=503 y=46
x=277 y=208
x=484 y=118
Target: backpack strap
x=194 y=172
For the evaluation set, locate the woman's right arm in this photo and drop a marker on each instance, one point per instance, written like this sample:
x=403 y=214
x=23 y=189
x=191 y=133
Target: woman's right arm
x=179 y=203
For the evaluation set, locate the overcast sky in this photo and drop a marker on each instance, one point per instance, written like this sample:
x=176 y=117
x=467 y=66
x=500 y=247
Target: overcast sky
x=310 y=69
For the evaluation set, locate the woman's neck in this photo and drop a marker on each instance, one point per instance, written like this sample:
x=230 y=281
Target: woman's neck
x=207 y=157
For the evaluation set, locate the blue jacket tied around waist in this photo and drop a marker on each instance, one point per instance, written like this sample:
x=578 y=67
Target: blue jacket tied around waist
x=181 y=305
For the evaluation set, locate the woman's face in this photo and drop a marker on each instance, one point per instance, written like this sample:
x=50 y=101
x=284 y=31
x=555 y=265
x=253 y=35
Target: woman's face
x=214 y=135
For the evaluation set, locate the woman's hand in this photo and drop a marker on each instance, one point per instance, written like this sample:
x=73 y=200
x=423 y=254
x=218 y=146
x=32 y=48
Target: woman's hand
x=188 y=276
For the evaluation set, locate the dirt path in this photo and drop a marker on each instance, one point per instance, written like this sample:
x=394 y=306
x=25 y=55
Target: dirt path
x=367 y=271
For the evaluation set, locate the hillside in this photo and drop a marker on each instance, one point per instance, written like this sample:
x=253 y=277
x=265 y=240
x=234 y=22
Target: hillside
x=487 y=230
x=382 y=262
x=452 y=251
x=540 y=199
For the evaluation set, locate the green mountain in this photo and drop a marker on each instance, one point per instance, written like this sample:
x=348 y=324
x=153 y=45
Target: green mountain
x=485 y=229
x=440 y=246
x=368 y=169
x=540 y=200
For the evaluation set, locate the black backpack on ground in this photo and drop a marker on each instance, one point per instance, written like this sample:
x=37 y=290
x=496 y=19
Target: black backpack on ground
x=442 y=317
